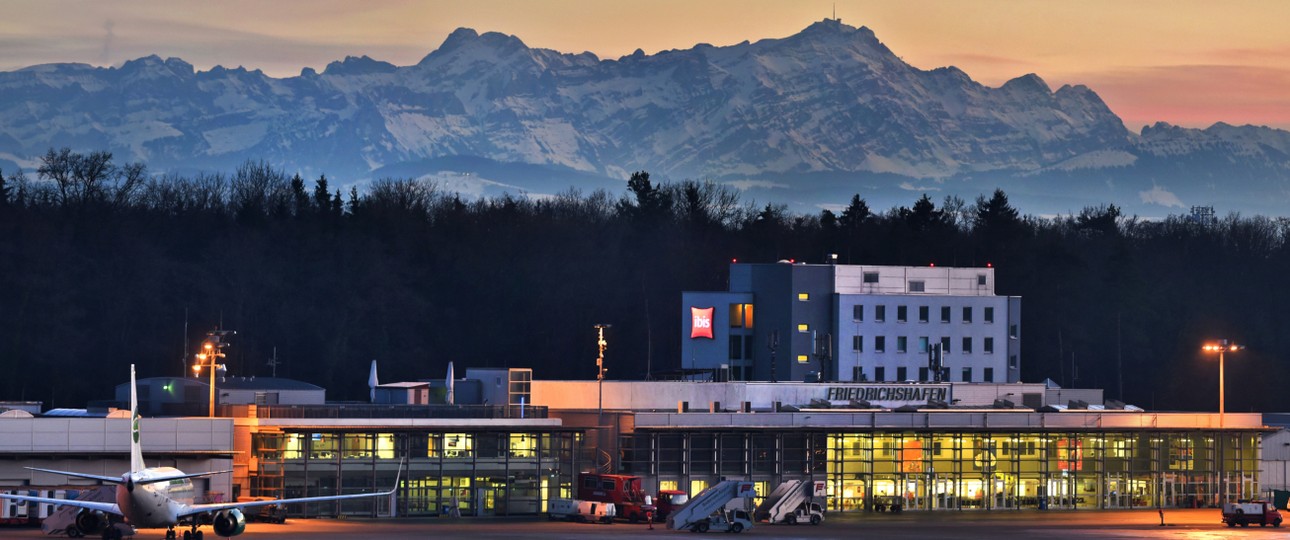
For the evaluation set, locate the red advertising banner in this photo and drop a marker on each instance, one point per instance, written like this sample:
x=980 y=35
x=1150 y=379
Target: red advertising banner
x=701 y=322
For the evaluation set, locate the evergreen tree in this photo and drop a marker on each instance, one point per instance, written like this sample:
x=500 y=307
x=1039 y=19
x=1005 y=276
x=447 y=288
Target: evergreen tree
x=322 y=194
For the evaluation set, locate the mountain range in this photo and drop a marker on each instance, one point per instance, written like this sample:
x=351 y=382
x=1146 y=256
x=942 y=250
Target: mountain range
x=806 y=120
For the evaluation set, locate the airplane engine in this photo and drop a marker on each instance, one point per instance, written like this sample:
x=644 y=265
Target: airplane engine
x=229 y=522
x=91 y=522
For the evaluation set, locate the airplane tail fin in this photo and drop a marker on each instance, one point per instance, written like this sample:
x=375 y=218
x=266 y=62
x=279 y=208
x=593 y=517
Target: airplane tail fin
x=136 y=450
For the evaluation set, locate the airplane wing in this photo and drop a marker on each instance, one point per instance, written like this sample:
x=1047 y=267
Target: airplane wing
x=108 y=479
x=215 y=507
x=110 y=508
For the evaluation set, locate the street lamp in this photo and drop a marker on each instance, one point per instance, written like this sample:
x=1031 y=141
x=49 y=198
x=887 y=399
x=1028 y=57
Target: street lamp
x=1221 y=346
x=212 y=350
x=601 y=345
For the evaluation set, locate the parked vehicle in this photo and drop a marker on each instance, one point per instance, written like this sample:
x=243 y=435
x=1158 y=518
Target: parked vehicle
x=696 y=514
x=806 y=512
x=1244 y=513
x=579 y=510
x=667 y=501
x=623 y=490
x=733 y=521
x=791 y=503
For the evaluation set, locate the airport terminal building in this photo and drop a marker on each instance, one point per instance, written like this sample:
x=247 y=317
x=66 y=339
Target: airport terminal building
x=850 y=394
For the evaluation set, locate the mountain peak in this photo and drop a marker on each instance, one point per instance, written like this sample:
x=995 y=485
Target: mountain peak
x=359 y=65
x=457 y=38
x=465 y=38
x=1028 y=83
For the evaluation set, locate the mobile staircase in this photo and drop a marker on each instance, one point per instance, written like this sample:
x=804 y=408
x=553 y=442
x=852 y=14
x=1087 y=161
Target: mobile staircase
x=709 y=501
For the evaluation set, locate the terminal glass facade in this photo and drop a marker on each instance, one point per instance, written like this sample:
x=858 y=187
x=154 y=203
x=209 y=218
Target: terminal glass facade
x=479 y=473
x=964 y=470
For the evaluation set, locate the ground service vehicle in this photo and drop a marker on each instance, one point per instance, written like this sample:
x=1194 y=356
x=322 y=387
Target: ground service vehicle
x=733 y=521
x=621 y=489
x=1244 y=513
x=667 y=501
x=578 y=510
x=695 y=514
x=791 y=503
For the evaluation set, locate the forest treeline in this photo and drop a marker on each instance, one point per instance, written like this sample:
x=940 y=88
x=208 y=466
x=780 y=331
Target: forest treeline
x=103 y=265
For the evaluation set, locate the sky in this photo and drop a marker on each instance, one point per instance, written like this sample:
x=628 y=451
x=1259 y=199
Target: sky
x=1185 y=62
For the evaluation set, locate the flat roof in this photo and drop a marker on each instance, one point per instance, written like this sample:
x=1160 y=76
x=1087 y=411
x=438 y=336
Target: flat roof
x=1009 y=420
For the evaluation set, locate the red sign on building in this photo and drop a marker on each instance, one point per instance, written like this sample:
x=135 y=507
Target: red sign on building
x=701 y=322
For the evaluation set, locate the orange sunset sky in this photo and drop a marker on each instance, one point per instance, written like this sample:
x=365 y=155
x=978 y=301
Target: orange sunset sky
x=1191 y=63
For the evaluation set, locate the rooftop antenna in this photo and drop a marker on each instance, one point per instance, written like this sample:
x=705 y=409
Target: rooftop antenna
x=273 y=362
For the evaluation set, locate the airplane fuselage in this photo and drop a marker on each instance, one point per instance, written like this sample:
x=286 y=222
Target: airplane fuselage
x=156 y=504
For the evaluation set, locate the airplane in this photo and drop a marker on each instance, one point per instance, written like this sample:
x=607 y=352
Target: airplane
x=155 y=497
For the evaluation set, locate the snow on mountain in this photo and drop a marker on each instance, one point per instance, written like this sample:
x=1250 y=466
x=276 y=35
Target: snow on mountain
x=829 y=100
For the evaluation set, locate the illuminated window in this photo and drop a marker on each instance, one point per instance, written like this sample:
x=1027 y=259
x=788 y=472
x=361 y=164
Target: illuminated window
x=802 y=297
x=384 y=446
x=741 y=315
x=458 y=445
x=802 y=359
x=357 y=446
x=294 y=446
x=803 y=327
x=323 y=446
x=523 y=445
x=667 y=485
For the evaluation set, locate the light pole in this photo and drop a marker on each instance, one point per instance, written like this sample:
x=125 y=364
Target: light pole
x=601 y=345
x=1221 y=346
x=212 y=350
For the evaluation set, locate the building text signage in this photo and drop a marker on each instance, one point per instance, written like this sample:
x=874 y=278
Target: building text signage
x=910 y=393
x=701 y=322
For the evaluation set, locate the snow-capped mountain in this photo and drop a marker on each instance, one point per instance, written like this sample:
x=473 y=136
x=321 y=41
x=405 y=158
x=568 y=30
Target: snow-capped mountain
x=809 y=118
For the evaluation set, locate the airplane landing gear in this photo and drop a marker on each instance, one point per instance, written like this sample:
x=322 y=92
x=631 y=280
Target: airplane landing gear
x=170 y=533
x=192 y=534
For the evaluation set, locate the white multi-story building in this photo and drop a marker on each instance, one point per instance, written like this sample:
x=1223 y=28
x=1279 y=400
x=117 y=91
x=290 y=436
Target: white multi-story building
x=854 y=323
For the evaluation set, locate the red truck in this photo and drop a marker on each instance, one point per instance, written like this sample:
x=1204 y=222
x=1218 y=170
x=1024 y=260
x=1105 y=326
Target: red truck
x=1244 y=513
x=625 y=492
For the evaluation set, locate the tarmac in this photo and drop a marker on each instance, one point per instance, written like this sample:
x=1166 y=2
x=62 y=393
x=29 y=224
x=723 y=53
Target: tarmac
x=996 y=525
